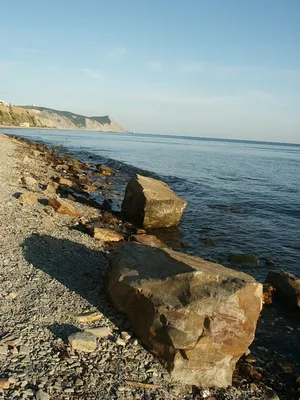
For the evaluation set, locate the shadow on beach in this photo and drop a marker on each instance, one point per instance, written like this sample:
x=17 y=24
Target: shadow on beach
x=77 y=267
x=81 y=270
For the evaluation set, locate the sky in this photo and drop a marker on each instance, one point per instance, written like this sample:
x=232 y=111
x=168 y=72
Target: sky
x=211 y=68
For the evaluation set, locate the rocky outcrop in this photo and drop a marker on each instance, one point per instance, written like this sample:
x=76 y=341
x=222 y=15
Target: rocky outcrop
x=287 y=287
x=150 y=203
x=197 y=317
x=42 y=117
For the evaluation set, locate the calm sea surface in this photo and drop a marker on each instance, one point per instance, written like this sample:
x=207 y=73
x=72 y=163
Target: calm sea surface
x=243 y=195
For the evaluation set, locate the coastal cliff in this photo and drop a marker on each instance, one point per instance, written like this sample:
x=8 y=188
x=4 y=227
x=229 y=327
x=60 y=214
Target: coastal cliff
x=42 y=117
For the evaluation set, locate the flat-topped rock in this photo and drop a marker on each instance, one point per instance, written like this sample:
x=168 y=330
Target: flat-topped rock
x=197 y=317
x=150 y=203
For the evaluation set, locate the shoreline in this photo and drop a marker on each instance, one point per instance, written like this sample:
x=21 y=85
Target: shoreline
x=48 y=238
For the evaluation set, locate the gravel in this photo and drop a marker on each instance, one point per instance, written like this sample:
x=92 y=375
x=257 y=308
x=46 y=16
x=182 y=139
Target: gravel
x=49 y=272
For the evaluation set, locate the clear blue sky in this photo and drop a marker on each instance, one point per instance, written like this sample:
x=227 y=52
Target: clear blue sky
x=215 y=68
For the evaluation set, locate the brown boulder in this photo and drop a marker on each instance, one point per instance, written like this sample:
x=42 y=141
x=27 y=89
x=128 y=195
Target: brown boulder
x=197 y=317
x=150 y=203
x=63 y=208
x=287 y=287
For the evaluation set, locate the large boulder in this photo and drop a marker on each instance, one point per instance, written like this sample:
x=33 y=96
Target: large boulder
x=150 y=203
x=287 y=287
x=197 y=317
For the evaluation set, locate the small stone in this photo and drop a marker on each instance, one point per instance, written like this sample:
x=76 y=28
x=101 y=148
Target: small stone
x=24 y=350
x=63 y=208
x=120 y=342
x=41 y=395
x=29 y=198
x=27 y=160
x=101 y=332
x=270 y=262
x=14 y=351
x=52 y=187
x=69 y=390
x=86 y=317
x=79 y=382
x=3 y=350
x=107 y=235
x=83 y=341
x=66 y=182
x=28 y=181
x=125 y=335
x=253 y=387
x=48 y=223
x=4 y=383
x=12 y=295
x=62 y=167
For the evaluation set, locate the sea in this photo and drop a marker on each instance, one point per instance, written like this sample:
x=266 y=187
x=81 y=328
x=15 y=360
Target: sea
x=243 y=196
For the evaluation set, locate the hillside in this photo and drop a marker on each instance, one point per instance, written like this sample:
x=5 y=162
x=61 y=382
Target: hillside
x=42 y=117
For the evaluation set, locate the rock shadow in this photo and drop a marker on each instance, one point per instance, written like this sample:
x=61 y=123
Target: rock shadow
x=77 y=267
x=62 y=331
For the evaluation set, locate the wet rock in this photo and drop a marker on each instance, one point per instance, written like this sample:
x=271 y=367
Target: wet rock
x=65 y=182
x=62 y=167
x=150 y=203
x=107 y=235
x=148 y=240
x=243 y=260
x=104 y=170
x=287 y=287
x=63 y=208
x=197 y=317
x=270 y=262
x=83 y=341
x=268 y=293
x=29 y=198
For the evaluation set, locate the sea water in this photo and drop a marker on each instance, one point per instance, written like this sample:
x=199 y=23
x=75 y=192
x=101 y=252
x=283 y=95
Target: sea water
x=243 y=196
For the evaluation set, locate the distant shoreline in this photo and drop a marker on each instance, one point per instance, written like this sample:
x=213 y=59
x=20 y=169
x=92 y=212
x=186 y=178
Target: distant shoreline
x=54 y=129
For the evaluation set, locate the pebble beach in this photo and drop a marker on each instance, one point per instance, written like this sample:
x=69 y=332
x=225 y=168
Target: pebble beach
x=52 y=289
